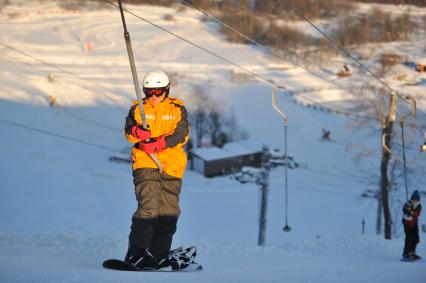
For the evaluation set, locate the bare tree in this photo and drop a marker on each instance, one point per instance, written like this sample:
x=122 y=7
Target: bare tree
x=3 y=3
x=387 y=130
x=420 y=3
x=264 y=6
x=380 y=108
x=232 y=129
x=199 y=107
x=215 y=124
x=245 y=5
x=210 y=120
x=387 y=61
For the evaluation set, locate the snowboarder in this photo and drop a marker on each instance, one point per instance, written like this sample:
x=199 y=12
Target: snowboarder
x=157 y=193
x=411 y=211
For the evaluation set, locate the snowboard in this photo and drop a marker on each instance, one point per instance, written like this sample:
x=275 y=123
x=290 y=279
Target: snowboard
x=410 y=260
x=182 y=260
x=117 y=264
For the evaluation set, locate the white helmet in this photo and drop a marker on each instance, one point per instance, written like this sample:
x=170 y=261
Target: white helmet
x=156 y=80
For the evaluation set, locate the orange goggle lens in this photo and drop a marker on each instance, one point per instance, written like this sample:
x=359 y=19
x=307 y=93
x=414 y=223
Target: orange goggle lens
x=153 y=91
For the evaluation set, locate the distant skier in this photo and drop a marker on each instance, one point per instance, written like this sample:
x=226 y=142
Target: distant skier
x=345 y=71
x=157 y=194
x=411 y=210
x=423 y=146
x=346 y=68
x=53 y=101
x=325 y=134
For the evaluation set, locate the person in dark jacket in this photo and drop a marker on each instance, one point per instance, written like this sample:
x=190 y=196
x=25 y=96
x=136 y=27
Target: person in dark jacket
x=411 y=211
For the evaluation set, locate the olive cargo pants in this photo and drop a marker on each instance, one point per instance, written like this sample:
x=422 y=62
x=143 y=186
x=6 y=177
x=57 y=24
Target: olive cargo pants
x=154 y=222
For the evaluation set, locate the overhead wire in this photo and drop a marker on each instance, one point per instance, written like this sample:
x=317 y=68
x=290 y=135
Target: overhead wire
x=277 y=55
x=345 y=52
x=60 y=136
x=319 y=179
x=257 y=43
x=66 y=111
x=24 y=63
x=93 y=83
x=57 y=67
x=345 y=175
x=244 y=69
x=47 y=72
x=280 y=57
x=74 y=75
x=328 y=192
x=253 y=74
x=269 y=81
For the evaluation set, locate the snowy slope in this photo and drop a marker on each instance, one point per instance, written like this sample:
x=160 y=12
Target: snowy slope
x=64 y=207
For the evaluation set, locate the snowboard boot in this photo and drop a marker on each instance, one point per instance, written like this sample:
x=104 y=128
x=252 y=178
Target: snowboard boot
x=167 y=261
x=178 y=259
x=181 y=258
x=414 y=256
x=141 y=259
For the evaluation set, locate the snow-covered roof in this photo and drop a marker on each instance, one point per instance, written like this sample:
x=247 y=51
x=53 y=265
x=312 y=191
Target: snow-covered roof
x=421 y=61
x=210 y=153
x=232 y=149
x=239 y=149
x=252 y=144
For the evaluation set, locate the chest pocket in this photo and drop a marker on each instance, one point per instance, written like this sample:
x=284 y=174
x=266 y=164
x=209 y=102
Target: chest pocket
x=163 y=122
x=167 y=122
x=167 y=118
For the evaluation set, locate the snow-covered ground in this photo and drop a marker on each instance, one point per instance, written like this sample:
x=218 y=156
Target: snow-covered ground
x=64 y=207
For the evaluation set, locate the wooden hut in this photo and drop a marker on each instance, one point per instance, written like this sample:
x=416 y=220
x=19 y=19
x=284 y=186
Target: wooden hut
x=214 y=161
x=421 y=67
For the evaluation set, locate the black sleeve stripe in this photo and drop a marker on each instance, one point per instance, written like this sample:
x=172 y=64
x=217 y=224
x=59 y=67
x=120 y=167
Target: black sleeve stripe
x=130 y=120
x=182 y=129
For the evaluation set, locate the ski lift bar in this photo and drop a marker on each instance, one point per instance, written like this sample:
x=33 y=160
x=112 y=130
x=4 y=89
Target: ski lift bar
x=384 y=143
x=136 y=80
x=286 y=228
x=411 y=114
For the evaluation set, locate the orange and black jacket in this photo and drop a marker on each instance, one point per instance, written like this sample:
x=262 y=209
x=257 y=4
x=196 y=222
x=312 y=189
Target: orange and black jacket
x=167 y=119
x=411 y=214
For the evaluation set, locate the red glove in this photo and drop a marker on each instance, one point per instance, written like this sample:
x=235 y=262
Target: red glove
x=141 y=133
x=153 y=146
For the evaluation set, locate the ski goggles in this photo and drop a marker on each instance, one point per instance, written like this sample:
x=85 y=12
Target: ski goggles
x=154 y=91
